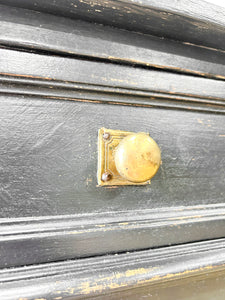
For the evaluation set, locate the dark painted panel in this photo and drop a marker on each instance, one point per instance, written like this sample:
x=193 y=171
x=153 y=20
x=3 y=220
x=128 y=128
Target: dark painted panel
x=49 y=157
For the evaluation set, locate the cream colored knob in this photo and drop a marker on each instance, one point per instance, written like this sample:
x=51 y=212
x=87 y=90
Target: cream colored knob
x=137 y=157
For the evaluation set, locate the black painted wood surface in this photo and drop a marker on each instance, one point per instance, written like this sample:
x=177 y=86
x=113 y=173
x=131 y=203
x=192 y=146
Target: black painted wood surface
x=192 y=271
x=49 y=157
x=63 y=77
x=49 y=164
x=55 y=69
x=193 y=21
x=34 y=240
x=51 y=110
x=54 y=35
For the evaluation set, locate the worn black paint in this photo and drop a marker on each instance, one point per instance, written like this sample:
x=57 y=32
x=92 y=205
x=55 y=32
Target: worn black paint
x=75 y=71
x=51 y=151
x=62 y=79
x=170 y=272
x=49 y=157
x=97 y=93
x=74 y=38
x=195 y=21
x=34 y=240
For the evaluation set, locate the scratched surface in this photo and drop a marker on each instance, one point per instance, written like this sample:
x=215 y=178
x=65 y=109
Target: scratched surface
x=49 y=157
x=192 y=271
x=105 y=43
x=51 y=209
x=193 y=21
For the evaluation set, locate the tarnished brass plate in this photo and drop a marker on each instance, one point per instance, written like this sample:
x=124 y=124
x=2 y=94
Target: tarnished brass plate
x=108 y=140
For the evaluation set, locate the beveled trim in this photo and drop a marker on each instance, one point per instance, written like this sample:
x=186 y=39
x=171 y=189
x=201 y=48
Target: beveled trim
x=106 y=275
x=20 y=238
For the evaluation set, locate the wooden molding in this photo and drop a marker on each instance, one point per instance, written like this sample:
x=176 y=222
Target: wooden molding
x=124 y=275
x=202 y=23
x=25 y=241
x=80 y=39
x=56 y=77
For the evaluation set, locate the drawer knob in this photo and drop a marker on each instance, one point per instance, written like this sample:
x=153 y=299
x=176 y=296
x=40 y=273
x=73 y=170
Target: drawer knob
x=137 y=157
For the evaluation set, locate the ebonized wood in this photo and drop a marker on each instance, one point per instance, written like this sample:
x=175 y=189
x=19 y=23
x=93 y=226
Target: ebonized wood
x=51 y=109
x=46 y=33
x=193 y=271
x=26 y=241
x=49 y=157
x=196 y=22
x=68 y=68
x=53 y=69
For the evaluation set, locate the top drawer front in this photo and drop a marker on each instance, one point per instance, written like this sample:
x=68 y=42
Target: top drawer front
x=49 y=128
x=49 y=157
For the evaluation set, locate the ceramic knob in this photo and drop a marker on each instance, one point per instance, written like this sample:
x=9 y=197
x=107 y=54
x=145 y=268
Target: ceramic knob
x=137 y=157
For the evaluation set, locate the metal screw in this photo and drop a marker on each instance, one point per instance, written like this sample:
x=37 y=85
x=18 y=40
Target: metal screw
x=106 y=176
x=106 y=136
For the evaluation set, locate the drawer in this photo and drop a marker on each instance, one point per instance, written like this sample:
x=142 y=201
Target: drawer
x=51 y=110
x=69 y=68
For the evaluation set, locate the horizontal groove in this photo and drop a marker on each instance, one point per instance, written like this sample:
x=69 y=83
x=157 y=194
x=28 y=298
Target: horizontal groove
x=112 y=45
x=133 y=230
x=113 y=273
x=218 y=109
x=59 y=90
x=26 y=81
x=115 y=61
x=99 y=221
x=113 y=76
x=160 y=254
x=29 y=83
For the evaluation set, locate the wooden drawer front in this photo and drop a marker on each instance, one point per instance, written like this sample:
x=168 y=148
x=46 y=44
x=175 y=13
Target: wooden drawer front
x=69 y=68
x=49 y=157
x=51 y=109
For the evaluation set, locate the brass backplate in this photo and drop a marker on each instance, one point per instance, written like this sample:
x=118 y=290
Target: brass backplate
x=108 y=140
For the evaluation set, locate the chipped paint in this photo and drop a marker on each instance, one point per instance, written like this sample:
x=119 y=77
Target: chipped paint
x=88 y=180
x=108 y=282
x=131 y=277
x=187 y=217
x=111 y=187
x=200 y=121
